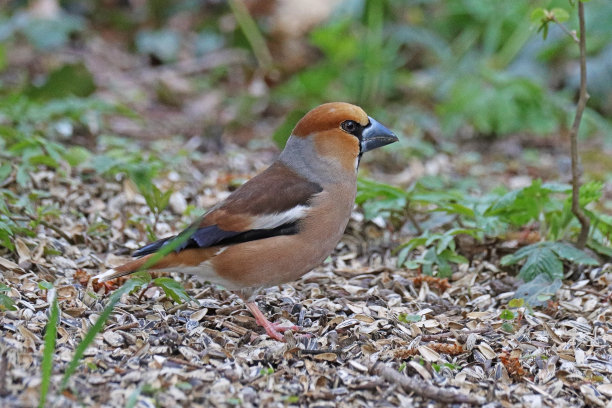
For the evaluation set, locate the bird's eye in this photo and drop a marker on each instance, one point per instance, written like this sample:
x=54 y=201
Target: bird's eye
x=349 y=126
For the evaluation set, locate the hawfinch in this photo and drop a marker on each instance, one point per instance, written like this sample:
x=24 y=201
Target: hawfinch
x=283 y=222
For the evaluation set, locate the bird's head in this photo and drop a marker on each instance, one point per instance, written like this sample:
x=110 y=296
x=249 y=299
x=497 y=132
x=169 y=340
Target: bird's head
x=339 y=132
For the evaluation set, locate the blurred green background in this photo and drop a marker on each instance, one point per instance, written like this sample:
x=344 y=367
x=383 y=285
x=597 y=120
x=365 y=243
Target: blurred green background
x=453 y=69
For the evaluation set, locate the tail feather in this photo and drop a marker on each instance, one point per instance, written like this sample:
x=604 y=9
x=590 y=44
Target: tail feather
x=125 y=269
x=152 y=247
x=188 y=258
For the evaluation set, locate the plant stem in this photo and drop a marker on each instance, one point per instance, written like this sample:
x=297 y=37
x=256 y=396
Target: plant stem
x=252 y=34
x=571 y=34
x=582 y=100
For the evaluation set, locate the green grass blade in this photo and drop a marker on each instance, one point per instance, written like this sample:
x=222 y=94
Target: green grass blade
x=98 y=325
x=127 y=287
x=252 y=33
x=46 y=366
x=133 y=398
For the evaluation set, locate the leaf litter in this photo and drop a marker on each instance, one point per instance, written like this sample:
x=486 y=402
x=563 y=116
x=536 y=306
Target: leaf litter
x=379 y=335
x=372 y=327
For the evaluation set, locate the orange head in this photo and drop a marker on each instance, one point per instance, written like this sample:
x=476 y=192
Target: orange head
x=337 y=132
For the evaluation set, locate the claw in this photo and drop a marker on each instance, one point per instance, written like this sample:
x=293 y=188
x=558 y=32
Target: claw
x=274 y=330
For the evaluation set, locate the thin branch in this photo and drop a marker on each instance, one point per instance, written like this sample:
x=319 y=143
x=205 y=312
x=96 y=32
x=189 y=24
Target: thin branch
x=455 y=333
x=3 y=376
x=582 y=100
x=585 y=290
x=46 y=224
x=571 y=34
x=423 y=388
x=414 y=222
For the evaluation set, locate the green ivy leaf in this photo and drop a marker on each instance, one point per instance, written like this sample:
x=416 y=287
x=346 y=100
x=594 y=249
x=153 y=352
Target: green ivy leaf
x=164 y=44
x=542 y=261
x=516 y=303
x=572 y=254
x=5 y=171
x=406 y=318
x=537 y=15
x=173 y=289
x=451 y=366
x=77 y=155
x=44 y=285
x=560 y=14
x=599 y=248
x=69 y=79
x=6 y=303
x=539 y=288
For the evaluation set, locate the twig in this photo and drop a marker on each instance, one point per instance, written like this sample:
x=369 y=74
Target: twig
x=454 y=333
x=315 y=352
x=414 y=222
x=277 y=373
x=422 y=388
x=50 y=226
x=571 y=34
x=582 y=100
x=143 y=291
x=128 y=326
x=592 y=292
x=180 y=361
x=3 y=376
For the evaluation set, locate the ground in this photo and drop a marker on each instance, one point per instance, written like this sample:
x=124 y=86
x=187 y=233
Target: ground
x=358 y=308
x=367 y=326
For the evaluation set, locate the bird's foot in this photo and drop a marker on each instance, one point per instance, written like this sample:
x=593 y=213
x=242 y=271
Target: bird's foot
x=274 y=330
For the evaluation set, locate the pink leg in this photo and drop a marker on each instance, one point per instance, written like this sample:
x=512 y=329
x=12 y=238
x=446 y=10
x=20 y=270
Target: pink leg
x=274 y=330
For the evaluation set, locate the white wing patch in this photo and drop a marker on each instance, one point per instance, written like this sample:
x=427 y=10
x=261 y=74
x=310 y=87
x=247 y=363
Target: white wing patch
x=103 y=277
x=269 y=221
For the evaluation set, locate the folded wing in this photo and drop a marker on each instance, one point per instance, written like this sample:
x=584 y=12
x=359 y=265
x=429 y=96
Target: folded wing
x=270 y=204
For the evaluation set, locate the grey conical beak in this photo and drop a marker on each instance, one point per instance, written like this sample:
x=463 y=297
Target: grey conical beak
x=376 y=135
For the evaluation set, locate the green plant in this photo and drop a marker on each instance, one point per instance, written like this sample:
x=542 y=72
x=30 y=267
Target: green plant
x=440 y=252
x=133 y=398
x=546 y=205
x=129 y=286
x=12 y=225
x=140 y=279
x=406 y=318
x=362 y=68
x=497 y=103
x=438 y=367
x=173 y=289
x=45 y=34
x=6 y=303
x=252 y=33
x=46 y=366
x=266 y=371
x=544 y=17
x=509 y=316
x=545 y=258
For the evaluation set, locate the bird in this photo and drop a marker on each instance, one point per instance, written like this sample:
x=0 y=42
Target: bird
x=284 y=221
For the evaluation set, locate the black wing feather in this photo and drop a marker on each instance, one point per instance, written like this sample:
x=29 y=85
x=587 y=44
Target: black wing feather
x=213 y=235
